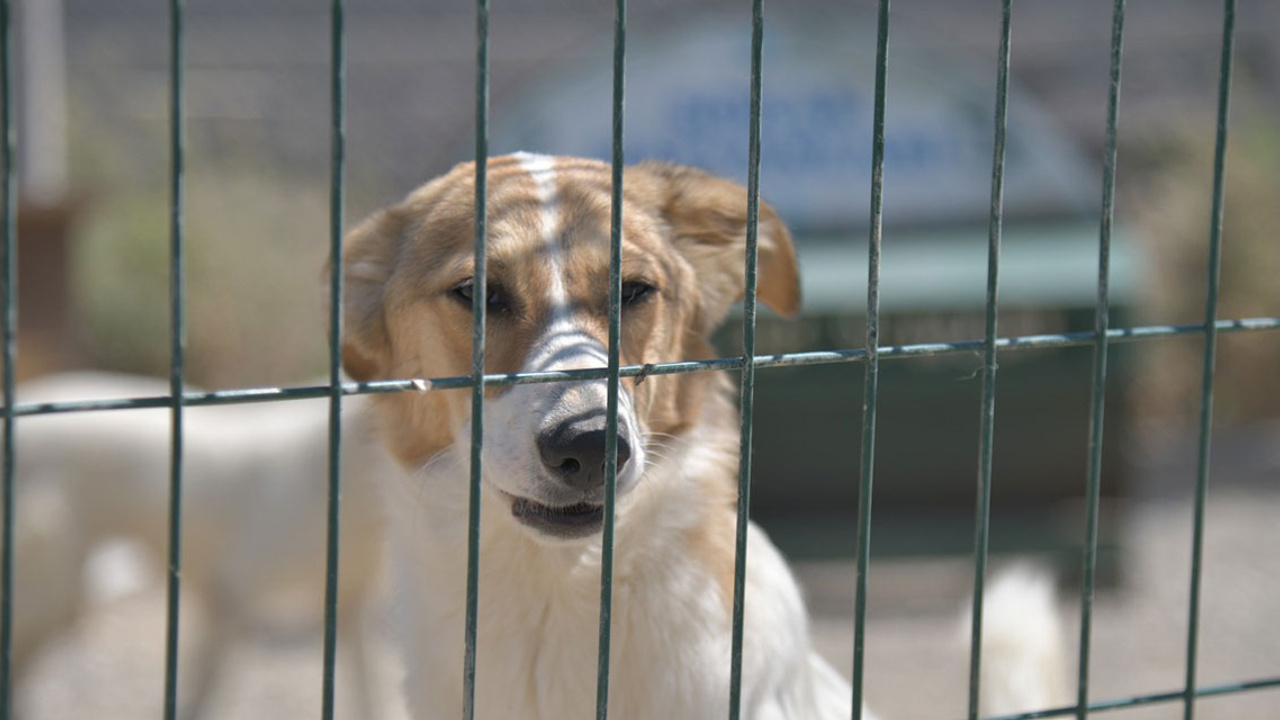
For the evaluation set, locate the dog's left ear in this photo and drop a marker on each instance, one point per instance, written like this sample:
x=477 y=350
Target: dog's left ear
x=708 y=216
x=369 y=252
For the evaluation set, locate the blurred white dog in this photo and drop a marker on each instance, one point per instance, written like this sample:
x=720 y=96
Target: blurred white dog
x=254 y=510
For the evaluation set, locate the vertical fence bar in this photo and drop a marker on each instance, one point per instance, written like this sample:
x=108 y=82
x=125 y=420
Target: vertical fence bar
x=1210 y=349
x=748 y=382
x=872 y=366
x=480 y=292
x=1102 y=320
x=9 y=323
x=615 y=342
x=337 y=88
x=178 y=332
x=986 y=442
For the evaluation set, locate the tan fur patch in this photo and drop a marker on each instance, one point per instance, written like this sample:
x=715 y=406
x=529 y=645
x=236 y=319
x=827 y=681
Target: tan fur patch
x=683 y=233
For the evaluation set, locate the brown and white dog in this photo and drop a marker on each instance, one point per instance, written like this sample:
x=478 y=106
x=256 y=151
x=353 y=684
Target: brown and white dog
x=409 y=278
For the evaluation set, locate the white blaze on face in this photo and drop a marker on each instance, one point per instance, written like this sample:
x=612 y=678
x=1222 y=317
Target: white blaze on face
x=542 y=168
x=561 y=344
x=516 y=419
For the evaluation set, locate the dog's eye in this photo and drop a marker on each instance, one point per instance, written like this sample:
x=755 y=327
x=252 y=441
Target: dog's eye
x=635 y=291
x=497 y=300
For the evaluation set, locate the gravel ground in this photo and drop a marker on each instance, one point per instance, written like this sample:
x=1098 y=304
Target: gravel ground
x=110 y=665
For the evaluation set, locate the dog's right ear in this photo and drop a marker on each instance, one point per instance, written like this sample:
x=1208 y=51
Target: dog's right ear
x=368 y=256
x=708 y=217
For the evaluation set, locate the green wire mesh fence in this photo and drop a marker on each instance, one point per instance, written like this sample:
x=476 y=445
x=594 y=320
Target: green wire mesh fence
x=990 y=346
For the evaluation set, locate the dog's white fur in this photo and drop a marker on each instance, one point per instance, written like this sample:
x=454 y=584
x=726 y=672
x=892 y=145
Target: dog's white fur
x=1024 y=653
x=538 y=609
x=408 y=315
x=254 y=498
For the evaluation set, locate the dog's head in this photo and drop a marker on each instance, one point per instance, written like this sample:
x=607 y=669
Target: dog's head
x=410 y=279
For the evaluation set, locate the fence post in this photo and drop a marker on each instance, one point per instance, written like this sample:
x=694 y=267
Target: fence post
x=478 y=298
x=336 y=194
x=986 y=440
x=177 y=337
x=872 y=367
x=1210 y=347
x=9 y=323
x=748 y=381
x=615 y=341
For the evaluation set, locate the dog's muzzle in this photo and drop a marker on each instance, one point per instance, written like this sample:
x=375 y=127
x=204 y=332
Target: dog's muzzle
x=573 y=454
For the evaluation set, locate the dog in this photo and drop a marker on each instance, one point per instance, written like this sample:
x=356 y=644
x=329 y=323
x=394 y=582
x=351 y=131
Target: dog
x=407 y=312
x=254 y=499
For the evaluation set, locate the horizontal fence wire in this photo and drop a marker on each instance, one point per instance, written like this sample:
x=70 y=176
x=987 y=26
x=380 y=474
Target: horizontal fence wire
x=614 y=359
x=8 y=326
x=748 y=380
x=1097 y=402
x=1210 y=348
x=479 y=297
x=1136 y=701
x=241 y=396
x=986 y=437
x=871 y=371
x=337 y=120
x=177 y=339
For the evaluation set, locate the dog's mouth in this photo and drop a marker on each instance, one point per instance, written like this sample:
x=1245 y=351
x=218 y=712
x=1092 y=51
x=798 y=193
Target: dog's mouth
x=566 y=521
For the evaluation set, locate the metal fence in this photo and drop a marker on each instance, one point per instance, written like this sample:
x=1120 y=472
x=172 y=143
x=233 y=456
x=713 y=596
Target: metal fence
x=747 y=363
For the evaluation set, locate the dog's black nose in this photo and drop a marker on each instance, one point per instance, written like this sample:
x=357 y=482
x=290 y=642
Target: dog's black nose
x=574 y=451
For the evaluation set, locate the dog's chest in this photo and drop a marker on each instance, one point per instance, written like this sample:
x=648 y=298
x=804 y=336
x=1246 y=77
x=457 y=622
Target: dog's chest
x=537 y=652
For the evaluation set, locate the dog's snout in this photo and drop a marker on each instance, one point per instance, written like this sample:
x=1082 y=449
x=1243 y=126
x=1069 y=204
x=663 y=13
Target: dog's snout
x=575 y=452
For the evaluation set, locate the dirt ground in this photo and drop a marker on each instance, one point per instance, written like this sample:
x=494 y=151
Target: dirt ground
x=110 y=665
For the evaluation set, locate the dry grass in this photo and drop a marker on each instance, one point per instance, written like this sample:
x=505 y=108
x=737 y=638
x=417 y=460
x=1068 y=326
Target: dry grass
x=1173 y=214
x=256 y=311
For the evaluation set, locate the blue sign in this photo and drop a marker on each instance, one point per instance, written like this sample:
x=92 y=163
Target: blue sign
x=687 y=102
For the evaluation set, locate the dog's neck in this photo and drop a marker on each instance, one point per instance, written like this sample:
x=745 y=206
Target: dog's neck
x=673 y=549
x=688 y=480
